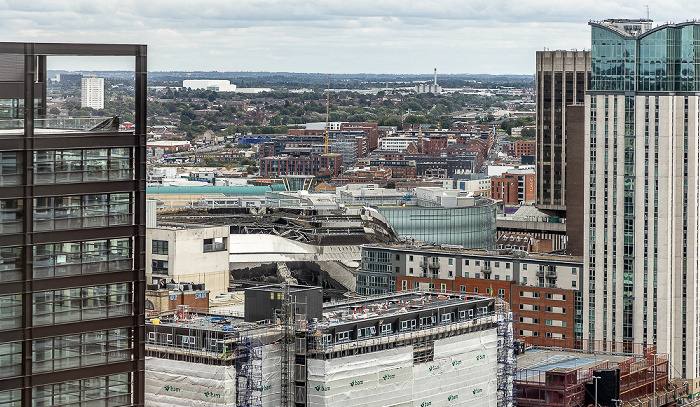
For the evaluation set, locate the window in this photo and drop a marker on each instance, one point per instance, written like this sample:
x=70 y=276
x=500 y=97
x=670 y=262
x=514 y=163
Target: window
x=446 y=318
x=342 y=336
x=404 y=285
x=81 y=304
x=443 y=287
x=496 y=277
x=573 y=283
x=573 y=270
x=366 y=332
x=507 y=278
x=488 y=290
x=410 y=270
x=216 y=244
x=427 y=321
x=496 y=264
x=535 y=295
x=466 y=262
x=466 y=274
x=449 y=273
x=502 y=293
x=548 y=296
x=507 y=266
x=477 y=275
x=462 y=289
x=397 y=269
x=159 y=247
x=408 y=325
x=476 y=263
x=524 y=267
x=450 y=261
x=476 y=290
x=159 y=266
x=548 y=322
x=410 y=258
x=398 y=257
x=524 y=280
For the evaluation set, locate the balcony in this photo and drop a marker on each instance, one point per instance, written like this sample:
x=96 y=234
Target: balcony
x=550 y=274
x=431 y=265
x=487 y=271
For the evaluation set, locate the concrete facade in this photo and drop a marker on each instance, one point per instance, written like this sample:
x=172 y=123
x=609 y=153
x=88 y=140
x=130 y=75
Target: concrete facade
x=189 y=254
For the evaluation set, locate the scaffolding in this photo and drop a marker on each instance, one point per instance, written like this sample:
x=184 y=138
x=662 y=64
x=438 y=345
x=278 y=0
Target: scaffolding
x=287 y=318
x=507 y=366
x=249 y=372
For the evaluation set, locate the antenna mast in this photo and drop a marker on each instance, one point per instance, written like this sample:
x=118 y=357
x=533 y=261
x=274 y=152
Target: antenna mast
x=328 y=104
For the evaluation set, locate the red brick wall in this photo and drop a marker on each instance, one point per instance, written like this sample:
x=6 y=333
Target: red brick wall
x=542 y=328
x=196 y=300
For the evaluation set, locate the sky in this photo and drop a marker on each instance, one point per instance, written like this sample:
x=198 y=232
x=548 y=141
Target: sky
x=334 y=36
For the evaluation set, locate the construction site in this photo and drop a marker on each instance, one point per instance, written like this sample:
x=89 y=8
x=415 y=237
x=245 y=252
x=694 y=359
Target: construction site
x=597 y=373
x=289 y=348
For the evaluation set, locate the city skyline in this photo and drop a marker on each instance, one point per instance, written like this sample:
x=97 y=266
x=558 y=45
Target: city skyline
x=498 y=37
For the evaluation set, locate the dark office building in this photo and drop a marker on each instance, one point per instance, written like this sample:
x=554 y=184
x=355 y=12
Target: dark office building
x=72 y=233
x=562 y=79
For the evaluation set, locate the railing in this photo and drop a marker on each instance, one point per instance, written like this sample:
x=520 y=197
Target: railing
x=319 y=346
x=57 y=123
x=216 y=247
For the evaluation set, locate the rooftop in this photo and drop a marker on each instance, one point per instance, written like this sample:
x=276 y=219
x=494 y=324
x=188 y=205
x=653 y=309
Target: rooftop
x=392 y=304
x=454 y=249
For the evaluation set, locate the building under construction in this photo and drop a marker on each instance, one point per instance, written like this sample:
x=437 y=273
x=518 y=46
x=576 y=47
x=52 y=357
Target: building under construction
x=605 y=374
x=413 y=348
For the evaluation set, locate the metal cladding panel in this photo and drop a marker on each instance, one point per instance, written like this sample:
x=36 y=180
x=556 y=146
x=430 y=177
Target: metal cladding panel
x=11 y=68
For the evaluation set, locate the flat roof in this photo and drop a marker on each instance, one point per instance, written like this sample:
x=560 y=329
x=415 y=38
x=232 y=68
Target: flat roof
x=427 y=247
x=535 y=361
x=336 y=313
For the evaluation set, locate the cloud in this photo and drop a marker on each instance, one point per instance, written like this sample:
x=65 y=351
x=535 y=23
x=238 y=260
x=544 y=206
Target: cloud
x=402 y=36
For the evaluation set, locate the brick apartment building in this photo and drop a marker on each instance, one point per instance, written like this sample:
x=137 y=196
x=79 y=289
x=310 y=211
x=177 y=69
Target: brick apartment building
x=543 y=290
x=514 y=187
x=325 y=164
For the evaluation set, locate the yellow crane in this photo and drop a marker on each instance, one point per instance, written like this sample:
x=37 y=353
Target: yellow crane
x=328 y=104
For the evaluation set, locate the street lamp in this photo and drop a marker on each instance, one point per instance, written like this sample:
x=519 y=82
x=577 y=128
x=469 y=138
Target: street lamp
x=595 y=395
x=654 y=379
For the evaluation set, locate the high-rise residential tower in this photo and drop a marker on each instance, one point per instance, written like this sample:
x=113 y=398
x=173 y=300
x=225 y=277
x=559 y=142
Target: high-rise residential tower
x=92 y=92
x=72 y=241
x=642 y=141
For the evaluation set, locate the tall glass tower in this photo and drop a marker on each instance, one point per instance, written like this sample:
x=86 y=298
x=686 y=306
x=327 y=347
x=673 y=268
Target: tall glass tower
x=72 y=240
x=642 y=136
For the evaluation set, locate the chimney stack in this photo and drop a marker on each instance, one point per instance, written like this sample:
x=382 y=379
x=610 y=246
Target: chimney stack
x=435 y=77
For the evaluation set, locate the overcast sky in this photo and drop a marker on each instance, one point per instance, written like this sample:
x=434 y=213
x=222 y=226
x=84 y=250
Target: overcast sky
x=336 y=36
